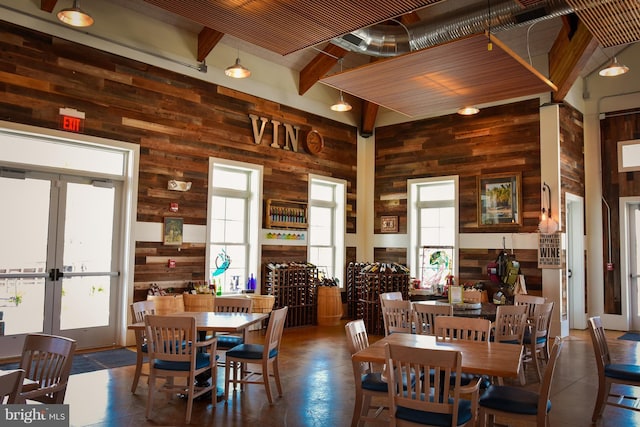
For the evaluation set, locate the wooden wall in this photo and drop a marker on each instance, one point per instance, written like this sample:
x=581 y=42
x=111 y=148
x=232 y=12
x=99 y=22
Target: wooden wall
x=616 y=126
x=499 y=139
x=179 y=122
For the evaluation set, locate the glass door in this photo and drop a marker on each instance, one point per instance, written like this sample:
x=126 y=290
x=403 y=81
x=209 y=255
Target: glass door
x=57 y=272
x=633 y=215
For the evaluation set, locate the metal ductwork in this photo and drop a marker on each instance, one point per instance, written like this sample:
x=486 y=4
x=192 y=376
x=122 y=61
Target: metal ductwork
x=390 y=40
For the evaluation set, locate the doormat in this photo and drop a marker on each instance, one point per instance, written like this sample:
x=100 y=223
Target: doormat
x=630 y=336
x=96 y=361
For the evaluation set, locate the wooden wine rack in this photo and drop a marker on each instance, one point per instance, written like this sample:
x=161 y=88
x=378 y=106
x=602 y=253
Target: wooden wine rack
x=294 y=285
x=285 y=214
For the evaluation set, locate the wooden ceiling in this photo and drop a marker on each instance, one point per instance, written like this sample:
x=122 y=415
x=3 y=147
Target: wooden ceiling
x=445 y=77
x=288 y=26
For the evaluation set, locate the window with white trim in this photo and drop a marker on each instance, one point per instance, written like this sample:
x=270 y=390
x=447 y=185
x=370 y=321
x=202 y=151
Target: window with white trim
x=433 y=229
x=233 y=225
x=327 y=204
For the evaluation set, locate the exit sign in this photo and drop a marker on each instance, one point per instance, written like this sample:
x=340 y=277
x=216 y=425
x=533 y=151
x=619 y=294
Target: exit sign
x=71 y=120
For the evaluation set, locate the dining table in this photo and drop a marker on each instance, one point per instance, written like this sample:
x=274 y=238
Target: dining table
x=484 y=310
x=499 y=360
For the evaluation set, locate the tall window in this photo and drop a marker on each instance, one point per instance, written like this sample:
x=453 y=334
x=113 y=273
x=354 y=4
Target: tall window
x=433 y=225
x=234 y=214
x=327 y=200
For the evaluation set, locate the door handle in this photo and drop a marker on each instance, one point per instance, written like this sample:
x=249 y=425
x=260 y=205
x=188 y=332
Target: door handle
x=55 y=274
x=569 y=273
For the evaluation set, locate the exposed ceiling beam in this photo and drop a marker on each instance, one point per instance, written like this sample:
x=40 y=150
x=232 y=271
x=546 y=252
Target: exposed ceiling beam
x=208 y=38
x=48 y=5
x=569 y=54
x=368 y=119
x=319 y=66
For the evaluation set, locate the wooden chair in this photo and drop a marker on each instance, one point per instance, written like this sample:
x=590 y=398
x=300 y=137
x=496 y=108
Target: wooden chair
x=368 y=381
x=536 y=338
x=46 y=359
x=11 y=385
x=170 y=359
x=167 y=304
x=529 y=301
x=397 y=316
x=610 y=374
x=510 y=327
x=139 y=310
x=428 y=399
x=236 y=371
x=518 y=404
x=232 y=305
x=424 y=316
x=463 y=328
x=390 y=296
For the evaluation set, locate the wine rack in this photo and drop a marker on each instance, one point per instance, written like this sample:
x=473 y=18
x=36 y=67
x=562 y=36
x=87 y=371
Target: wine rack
x=294 y=285
x=285 y=214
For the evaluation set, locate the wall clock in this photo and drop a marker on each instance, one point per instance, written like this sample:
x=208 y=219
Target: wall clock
x=314 y=142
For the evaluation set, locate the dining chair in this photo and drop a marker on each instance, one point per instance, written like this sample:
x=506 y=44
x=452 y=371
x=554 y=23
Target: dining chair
x=46 y=359
x=397 y=316
x=529 y=301
x=11 y=385
x=169 y=359
x=198 y=302
x=139 y=310
x=424 y=316
x=518 y=404
x=463 y=328
x=536 y=337
x=368 y=380
x=434 y=400
x=268 y=353
x=510 y=327
x=611 y=374
x=390 y=296
x=227 y=341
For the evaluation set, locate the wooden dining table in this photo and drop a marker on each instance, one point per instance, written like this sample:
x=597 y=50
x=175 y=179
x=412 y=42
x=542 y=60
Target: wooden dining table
x=216 y=322
x=481 y=358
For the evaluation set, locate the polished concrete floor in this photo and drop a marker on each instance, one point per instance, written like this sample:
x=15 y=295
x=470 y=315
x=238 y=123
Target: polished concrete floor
x=318 y=390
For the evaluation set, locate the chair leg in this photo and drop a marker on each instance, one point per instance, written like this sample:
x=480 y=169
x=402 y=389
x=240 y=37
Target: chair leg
x=265 y=377
x=357 y=407
x=190 y=391
x=152 y=386
x=136 y=375
x=603 y=393
x=227 y=378
x=276 y=375
x=537 y=362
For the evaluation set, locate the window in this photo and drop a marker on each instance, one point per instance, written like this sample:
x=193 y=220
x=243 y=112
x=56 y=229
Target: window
x=433 y=229
x=234 y=214
x=327 y=200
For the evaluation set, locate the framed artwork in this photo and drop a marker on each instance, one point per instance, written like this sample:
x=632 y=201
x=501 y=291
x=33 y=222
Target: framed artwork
x=389 y=223
x=172 y=232
x=499 y=199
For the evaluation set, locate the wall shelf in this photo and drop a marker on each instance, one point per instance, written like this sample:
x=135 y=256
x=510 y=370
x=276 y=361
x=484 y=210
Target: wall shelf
x=286 y=214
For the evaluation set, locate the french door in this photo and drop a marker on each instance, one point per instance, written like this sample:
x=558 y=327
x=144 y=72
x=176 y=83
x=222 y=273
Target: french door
x=633 y=260
x=58 y=271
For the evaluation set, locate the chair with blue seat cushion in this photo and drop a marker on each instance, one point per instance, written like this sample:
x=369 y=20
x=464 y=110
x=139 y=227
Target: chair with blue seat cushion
x=139 y=310
x=397 y=316
x=536 y=337
x=232 y=305
x=265 y=355
x=611 y=373
x=510 y=327
x=424 y=316
x=367 y=377
x=170 y=358
x=518 y=404
x=433 y=400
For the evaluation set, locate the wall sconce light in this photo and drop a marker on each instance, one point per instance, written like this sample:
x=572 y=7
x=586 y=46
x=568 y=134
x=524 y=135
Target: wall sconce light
x=75 y=16
x=547 y=224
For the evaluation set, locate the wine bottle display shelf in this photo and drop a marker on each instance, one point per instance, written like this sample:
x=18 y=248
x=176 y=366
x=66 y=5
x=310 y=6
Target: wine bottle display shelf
x=286 y=214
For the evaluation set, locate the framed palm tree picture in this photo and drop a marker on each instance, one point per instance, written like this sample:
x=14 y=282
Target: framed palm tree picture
x=499 y=200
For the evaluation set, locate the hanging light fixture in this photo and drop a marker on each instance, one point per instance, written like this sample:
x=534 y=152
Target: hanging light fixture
x=75 y=16
x=341 y=105
x=547 y=224
x=468 y=111
x=613 y=69
x=237 y=71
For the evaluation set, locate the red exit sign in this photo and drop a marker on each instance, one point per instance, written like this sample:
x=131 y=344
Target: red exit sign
x=71 y=120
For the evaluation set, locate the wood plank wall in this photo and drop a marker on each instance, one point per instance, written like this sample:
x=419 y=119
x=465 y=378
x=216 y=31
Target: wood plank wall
x=616 y=126
x=179 y=122
x=499 y=139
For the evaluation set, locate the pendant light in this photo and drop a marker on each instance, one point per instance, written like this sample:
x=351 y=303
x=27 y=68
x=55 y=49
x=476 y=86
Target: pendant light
x=237 y=71
x=341 y=105
x=75 y=16
x=613 y=69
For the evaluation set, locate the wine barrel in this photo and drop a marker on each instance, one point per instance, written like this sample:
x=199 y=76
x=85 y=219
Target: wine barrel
x=329 y=305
